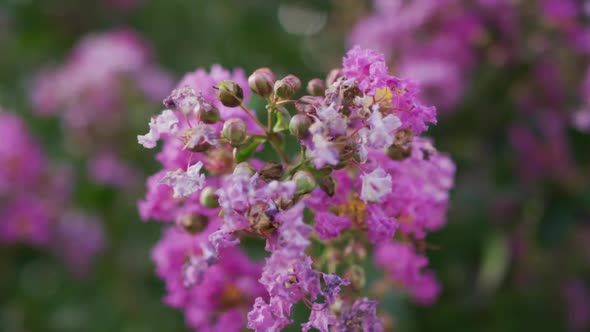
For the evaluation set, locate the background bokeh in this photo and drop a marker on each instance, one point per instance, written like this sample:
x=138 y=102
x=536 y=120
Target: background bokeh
x=505 y=259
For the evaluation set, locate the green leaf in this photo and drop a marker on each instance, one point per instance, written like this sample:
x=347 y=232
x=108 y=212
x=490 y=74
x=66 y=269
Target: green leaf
x=283 y=119
x=245 y=153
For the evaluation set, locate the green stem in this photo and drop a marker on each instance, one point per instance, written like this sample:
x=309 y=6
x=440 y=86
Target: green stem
x=282 y=154
x=253 y=118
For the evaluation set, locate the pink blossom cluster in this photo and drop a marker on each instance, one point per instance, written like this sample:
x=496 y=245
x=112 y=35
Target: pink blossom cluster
x=360 y=179
x=431 y=41
x=445 y=44
x=34 y=202
x=92 y=92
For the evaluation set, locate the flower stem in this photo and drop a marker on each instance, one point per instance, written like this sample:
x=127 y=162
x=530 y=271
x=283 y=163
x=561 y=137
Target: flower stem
x=253 y=118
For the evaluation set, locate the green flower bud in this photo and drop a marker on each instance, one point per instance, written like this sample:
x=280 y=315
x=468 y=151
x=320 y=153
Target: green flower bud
x=262 y=81
x=245 y=168
x=209 y=198
x=271 y=171
x=316 y=87
x=328 y=184
x=304 y=182
x=230 y=93
x=287 y=86
x=397 y=152
x=299 y=125
x=307 y=105
x=193 y=223
x=208 y=115
x=234 y=130
x=356 y=275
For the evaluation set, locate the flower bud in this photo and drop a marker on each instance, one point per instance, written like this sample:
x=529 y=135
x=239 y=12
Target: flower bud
x=307 y=105
x=262 y=81
x=244 y=168
x=193 y=223
x=208 y=115
x=230 y=93
x=346 y=148
x=209 y=198
x=287 y=86
x=316 y=87
x=328 y=184
x=220 y=161
x=271 y=171
x=299 y=125
x=403 y=136
x=333 y=75
x=356 y=275
x=234 y=130
x=398 y=152
x=304 y=182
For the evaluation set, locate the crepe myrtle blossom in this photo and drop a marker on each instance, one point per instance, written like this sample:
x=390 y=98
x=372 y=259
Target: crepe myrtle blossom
x=92 y=91
x=35 y=200
x=363 y=179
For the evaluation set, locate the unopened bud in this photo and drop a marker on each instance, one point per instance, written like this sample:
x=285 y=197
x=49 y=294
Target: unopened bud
x=299 y=125
x=220 y=161
x=403 y=136
x=271 y=171
x=333 y=75
x=316 y=87
x=262 y=81
x=328 y=184
x=209 y=198
x=287 y=86
x=396 y=152
x=244 y=168
x=230 y=93
x=356 y=275
x=208 y=115
x=346 y=148
x=307 y=105
x=193 y=223
x=304 y=182
x=234 y=130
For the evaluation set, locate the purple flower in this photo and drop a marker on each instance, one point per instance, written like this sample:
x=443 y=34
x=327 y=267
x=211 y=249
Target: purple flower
x=321 y=319
x=329 y=226
x=381 y=226
x=362 y=315
x=406 y=267
x=322 y=150
x=78 y=238
x=332 y=290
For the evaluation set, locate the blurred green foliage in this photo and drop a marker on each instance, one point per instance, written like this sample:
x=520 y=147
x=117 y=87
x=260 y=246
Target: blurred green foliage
x=39 y=294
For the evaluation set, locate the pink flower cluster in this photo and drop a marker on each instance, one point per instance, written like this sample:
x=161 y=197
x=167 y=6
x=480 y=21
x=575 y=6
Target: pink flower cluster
x=92 y=91
x=441 y=43
x=361 y=179
x=34 y=202
x=432 y=41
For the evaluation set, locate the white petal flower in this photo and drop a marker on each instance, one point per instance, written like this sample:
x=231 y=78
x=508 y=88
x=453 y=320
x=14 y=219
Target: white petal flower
x=333 y=120
x=376 y=185
x=199 y=134
x=382 y=129
x=185 y=183
x=165 y=123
